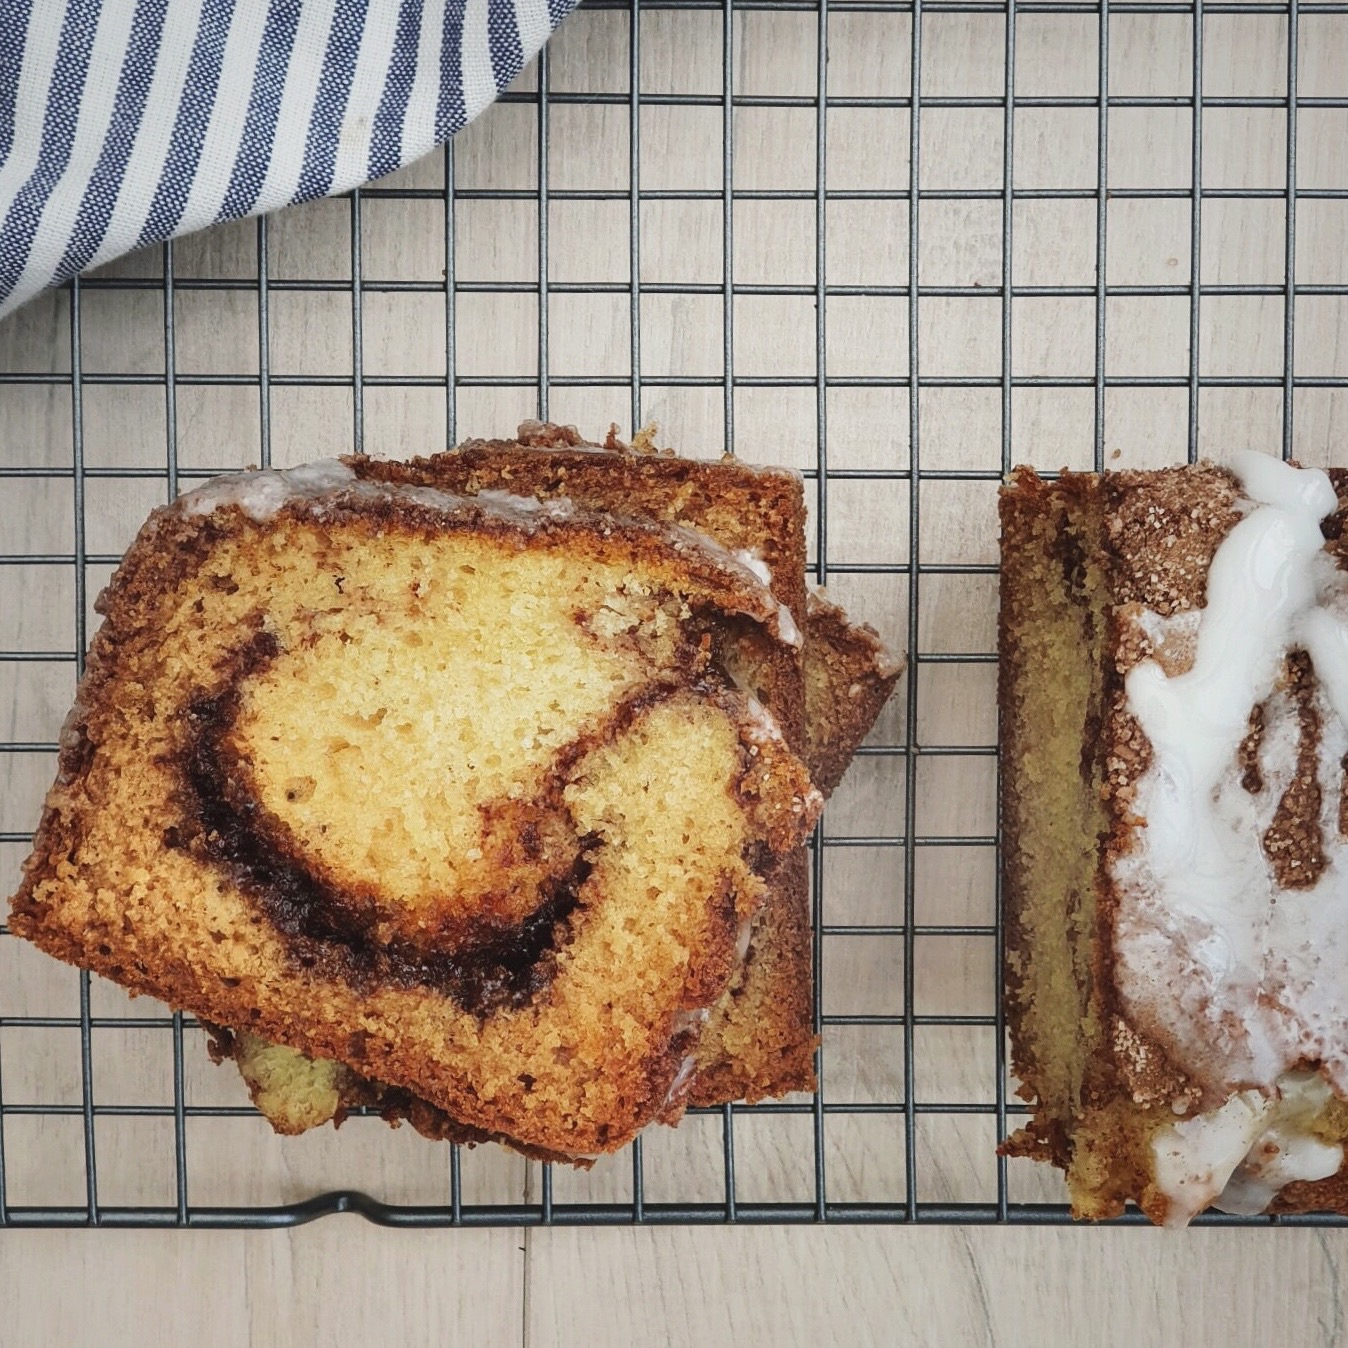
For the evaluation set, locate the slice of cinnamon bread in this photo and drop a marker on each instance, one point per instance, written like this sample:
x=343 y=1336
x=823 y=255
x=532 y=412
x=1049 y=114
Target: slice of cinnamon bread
x=458 y=791
x=760 y=1039
x=848 y=677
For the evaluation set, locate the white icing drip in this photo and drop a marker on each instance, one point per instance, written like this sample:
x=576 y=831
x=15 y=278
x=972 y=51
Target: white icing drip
x=261 y=494
x=1286 y=1151
x=695 y=1020
x=748 y=566
x=688 y=1020
x=1259 y=584
x=1193 y=1158
x=787 y=629
x=1154 y=625
x=751 y=561
x=742 y=939
x=1242 y=980
x=1177 y=629
x=557 y=508
x=1239 y=1156
x=887 y=664
x=683 y=1079
x=760 y=727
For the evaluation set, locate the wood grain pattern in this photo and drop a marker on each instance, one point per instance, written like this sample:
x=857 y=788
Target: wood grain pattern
x=341 y=1279
x=336 y=1281
x=1013 y=1286
x=942 y=1286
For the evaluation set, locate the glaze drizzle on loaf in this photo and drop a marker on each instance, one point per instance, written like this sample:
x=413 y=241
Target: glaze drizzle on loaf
x=1174 y=876
x=1231 y=929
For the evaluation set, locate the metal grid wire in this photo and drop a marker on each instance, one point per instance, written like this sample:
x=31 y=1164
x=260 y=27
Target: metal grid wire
x=916 y=1116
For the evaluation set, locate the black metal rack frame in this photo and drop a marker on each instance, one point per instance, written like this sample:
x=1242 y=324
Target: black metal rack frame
x=455 y=1211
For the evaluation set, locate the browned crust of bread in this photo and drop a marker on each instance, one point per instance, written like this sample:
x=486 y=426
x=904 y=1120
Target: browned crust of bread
x=1326 y=1195
x=395 y=1106
x=1023 y=497
x=849 y=676
x=1160 y=533
x=1025 y=504
x=171 y=548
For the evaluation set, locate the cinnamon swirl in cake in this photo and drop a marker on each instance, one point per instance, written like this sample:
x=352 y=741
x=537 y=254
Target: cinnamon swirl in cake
x=1174 y=704
x=759 y=1039
x=466 y=793
x=848 y=676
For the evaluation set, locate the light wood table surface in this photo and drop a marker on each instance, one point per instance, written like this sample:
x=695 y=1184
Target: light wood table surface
x=341 y=1279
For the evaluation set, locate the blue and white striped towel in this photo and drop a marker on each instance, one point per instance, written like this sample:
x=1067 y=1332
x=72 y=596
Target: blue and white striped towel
x=126 y=122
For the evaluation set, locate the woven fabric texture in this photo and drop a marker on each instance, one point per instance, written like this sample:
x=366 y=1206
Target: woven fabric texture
x=127 y=122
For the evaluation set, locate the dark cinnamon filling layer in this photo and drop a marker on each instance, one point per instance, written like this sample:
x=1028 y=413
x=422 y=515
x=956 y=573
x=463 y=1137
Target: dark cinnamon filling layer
x=1294 y=842
x=484 y=966
x=330 y=929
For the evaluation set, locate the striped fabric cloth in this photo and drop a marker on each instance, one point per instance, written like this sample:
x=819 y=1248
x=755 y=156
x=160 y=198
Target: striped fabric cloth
x=127 y=122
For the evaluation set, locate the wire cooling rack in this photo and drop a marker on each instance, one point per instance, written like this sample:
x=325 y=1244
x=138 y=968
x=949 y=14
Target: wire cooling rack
x=898 y=246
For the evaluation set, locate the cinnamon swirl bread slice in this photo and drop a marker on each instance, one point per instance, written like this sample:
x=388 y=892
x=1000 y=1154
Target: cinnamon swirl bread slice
x=456 y=792
x=848 y=677
x=760 y=1039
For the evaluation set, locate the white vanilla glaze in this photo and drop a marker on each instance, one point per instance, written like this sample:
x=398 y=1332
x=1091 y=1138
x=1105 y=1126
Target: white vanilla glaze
x=753 y=569
x=1238 y=1157
x=555 y=508
x=787 y=629
x=694 y=1021
x=261 y=494
x=887 y=664
x=681 y=1085
x=1242 y=981
x=751 y=561
x=760 y=727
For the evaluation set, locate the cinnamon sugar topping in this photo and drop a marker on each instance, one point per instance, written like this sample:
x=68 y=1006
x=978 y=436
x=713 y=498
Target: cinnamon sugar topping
x=1231 y=927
